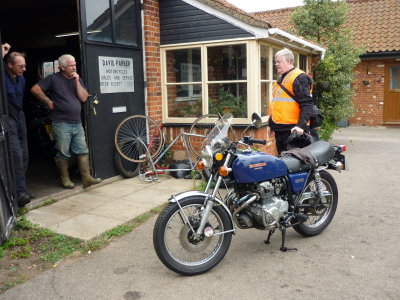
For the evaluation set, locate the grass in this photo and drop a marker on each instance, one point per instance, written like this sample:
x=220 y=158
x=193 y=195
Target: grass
x=43 y=248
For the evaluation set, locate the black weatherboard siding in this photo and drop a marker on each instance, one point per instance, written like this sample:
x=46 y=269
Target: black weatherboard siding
x=183 y=23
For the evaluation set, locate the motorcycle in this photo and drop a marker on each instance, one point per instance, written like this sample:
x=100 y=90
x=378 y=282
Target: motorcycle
x=193 y=232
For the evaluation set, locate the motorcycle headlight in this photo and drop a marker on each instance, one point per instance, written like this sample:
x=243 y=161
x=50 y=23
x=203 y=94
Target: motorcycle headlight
x=207 y=156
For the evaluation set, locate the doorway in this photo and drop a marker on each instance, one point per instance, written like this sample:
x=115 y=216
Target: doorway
x=391 y=111
x=105 y=37
x=38 y=28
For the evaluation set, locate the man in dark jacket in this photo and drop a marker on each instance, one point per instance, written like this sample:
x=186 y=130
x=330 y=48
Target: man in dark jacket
x=15 y=89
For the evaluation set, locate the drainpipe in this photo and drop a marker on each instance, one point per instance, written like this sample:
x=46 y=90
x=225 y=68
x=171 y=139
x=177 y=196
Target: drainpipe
x=144 y=58
x=291 y=37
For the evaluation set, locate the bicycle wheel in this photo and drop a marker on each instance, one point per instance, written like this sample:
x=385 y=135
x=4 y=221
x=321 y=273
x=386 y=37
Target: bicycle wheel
x=125 y=168
x=137 y=136
x=203 y=125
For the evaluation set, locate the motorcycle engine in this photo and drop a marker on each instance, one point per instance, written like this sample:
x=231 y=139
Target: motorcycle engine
x=269 y=208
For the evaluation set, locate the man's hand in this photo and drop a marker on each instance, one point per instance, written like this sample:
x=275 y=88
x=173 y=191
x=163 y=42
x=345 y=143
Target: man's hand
x=297 y=129
x=75 y=75
x=50 y=105
x=5 y=48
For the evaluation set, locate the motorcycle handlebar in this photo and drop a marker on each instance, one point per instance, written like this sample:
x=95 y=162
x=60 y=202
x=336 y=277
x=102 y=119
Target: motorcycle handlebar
x=248 y=140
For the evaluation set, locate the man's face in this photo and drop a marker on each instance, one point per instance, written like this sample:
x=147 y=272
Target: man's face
x=282 y=65
x=69 y=69
x=18 y=67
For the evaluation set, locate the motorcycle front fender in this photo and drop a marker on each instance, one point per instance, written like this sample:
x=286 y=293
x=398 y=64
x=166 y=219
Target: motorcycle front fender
x=176 y=198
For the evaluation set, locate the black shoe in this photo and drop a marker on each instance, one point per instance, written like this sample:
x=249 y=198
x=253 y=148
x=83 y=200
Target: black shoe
x=32 y=196
x=23 y=199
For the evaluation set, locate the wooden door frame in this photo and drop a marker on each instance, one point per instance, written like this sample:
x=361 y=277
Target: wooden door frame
x=386 y=92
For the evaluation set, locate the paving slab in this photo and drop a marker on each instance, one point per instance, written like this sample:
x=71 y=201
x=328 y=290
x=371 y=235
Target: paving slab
x=85 y=226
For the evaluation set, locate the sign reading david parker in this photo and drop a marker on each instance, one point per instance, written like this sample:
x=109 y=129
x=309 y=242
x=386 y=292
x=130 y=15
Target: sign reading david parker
x=116 y=74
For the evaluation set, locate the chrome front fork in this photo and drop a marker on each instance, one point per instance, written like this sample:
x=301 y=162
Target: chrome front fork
x=210 y=200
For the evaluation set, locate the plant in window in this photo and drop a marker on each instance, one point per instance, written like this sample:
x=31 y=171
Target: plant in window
x=227 y=102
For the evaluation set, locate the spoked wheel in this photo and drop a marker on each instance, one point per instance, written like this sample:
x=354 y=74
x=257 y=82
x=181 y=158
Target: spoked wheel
x=203 y=125
x=322 y=214
x=125 y=168
x=138 y=136
x=176 y=245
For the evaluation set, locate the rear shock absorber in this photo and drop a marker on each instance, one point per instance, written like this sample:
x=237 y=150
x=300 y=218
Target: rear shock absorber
x=318 y=183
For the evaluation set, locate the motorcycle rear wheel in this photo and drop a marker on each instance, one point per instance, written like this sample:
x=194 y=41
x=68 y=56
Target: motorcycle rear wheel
x=173 y=243
x=319 y=218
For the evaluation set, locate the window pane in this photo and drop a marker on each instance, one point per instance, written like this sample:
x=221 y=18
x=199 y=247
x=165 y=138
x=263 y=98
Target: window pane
x=228 y=97
x=184 y=65
x=265 y=86
x=98 y=16
x=264 y=62
x=275 y=72
x=227 y=62
x=303 y=62
x=184 y=100
x=394 y=77
x=125 y=22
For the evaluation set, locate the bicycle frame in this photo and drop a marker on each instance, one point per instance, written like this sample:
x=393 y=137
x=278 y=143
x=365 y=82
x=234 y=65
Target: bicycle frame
x=152 y=175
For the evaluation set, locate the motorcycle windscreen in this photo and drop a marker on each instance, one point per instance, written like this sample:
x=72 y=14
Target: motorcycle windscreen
x=257 y=166
x=297 y=181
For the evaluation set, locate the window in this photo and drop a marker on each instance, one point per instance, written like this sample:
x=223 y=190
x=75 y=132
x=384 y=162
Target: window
x=184 y=86
x=217 y=78
x=394 y=79
x=116 y=24
x=303 y=62
x=227 y=80
x=265 y=78
x=222 y=87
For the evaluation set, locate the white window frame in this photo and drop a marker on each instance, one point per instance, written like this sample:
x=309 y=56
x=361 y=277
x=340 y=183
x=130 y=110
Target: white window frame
x=205 y=82
x=253 y=80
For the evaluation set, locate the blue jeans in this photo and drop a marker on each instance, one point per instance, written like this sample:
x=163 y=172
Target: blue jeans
x=69 y=137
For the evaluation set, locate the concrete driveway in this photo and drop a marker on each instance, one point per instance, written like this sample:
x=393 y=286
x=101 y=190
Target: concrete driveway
x=357 y=257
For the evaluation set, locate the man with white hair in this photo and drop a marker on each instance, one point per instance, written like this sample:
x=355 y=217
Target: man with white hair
x=291 y=105
x=66 y=93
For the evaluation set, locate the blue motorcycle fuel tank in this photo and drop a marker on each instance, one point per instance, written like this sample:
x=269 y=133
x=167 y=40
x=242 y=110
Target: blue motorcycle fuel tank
x=257 y=166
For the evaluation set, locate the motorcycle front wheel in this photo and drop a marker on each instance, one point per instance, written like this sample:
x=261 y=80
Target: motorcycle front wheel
x=320 y=216
x=175 y=244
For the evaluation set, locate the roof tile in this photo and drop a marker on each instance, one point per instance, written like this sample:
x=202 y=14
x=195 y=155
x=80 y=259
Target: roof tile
x=375 y=23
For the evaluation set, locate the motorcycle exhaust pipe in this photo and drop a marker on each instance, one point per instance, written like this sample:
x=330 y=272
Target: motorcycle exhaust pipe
x=247 y=203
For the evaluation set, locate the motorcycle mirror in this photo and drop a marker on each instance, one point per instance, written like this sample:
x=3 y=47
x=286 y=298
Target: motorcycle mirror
x=256 y=120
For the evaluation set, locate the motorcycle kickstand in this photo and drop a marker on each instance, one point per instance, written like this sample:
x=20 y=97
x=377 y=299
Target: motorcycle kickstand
x=270 y=233
x=282 y=228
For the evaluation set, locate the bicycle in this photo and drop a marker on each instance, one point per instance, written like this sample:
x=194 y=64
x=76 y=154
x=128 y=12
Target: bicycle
x=139 y=141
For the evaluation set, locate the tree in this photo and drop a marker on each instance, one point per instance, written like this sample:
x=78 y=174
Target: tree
x=323 y=21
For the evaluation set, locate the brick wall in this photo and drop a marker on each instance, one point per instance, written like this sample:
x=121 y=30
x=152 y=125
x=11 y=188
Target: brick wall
x=152 y=59
x=369 y=93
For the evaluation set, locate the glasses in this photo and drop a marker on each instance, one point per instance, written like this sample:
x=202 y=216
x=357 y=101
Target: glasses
x=22 y=66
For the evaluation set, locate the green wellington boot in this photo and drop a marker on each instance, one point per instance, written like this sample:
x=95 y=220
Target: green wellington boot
x=62 y=165
x=84 y=168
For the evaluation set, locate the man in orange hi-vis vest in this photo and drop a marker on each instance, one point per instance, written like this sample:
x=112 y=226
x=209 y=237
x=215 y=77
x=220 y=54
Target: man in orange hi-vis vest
x=289 y=115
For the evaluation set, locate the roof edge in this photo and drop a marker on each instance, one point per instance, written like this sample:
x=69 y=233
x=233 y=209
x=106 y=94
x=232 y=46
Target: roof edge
x=386 y=54
x=284 y=34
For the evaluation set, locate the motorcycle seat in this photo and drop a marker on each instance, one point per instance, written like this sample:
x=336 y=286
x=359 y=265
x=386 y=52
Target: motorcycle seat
x=321 y=151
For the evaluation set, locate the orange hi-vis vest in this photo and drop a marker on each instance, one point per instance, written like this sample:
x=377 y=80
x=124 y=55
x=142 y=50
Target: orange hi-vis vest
x=283 y=108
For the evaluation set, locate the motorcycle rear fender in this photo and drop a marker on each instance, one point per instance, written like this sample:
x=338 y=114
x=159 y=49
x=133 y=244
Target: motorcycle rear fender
x=180 y=196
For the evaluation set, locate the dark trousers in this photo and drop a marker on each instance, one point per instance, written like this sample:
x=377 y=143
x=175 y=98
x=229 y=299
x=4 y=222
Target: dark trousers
x=19 y=149
x=281 y=139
